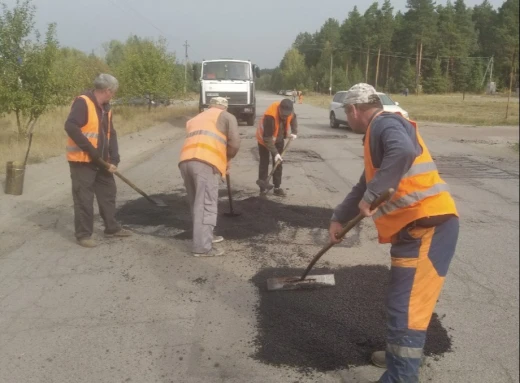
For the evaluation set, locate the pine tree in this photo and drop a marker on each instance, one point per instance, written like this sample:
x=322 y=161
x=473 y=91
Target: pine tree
x=475 y=77
x=435 y=82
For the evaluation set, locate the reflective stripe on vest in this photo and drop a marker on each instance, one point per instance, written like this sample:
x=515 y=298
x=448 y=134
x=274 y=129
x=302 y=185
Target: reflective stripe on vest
x=204 y=141
x=273 y=112
x=90 y=131
x=420 y=193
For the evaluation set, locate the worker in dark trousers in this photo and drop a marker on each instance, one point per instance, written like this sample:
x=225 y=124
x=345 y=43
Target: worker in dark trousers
x=91 y=136
x=277 y=124
x=420 y=221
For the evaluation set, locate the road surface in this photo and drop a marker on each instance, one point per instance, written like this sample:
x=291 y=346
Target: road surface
x=143 y=310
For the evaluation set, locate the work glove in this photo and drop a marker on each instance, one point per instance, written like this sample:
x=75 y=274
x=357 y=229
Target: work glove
x=293 y=136
x=277 y=158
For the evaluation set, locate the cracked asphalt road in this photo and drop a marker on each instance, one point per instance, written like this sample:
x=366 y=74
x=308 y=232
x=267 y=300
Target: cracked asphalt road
x=143 y=310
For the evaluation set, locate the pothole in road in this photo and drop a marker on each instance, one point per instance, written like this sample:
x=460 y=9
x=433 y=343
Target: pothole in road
x=293 y=156
x=464 y=167
x=329 y=328
x=260 y=218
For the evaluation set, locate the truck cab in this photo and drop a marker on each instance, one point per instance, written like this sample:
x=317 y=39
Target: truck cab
x=232 y=79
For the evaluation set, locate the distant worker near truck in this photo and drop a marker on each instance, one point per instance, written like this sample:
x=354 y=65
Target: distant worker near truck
x=278 y=123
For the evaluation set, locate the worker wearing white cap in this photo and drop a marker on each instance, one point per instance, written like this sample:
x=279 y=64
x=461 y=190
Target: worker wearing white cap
x=212 y=139
x=420 y=221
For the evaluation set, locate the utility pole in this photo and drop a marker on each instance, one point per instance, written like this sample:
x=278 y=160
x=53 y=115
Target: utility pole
x=185 y=65
x=513 y=72
x=330 y=78
x=491 y=70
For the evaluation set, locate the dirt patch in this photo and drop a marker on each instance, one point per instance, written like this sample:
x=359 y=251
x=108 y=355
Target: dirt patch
x=260 y=218
x=329 y=328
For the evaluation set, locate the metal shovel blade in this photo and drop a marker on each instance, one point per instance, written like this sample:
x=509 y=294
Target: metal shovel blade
x=264 y=185
x=159 y=203
x=296 y=283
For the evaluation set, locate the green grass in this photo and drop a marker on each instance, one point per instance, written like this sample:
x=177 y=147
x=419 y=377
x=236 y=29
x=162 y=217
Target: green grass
x=479 y=110
x=49 y=135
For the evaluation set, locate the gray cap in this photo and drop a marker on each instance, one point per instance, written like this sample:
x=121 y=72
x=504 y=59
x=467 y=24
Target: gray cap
x=361 y=93
x=286 y=107
x=219 y=101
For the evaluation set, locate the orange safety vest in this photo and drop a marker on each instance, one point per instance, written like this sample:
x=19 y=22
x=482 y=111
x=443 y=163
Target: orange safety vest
x=420 y=193
x=272 y=111
x=90 y=130
x=204 y=142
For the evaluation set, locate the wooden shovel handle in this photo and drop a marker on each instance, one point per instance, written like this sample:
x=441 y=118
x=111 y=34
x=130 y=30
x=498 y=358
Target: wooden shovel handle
x=127 y=181
x=353 y=222
x=278 y=162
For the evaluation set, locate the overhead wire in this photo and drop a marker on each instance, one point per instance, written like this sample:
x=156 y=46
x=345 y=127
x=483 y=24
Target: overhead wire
x=374 y=52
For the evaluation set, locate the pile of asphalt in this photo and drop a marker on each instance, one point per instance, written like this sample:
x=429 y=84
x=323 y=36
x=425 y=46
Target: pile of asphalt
x=332 y=327
x=259 y=217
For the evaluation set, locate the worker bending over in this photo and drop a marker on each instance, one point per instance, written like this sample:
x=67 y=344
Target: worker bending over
x=273 y=128
x=91 y=137
x=212 y=139
x=420 y=221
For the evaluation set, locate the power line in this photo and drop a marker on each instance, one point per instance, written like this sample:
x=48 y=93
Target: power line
x=318 y=47
x=147 y=20
x=140 y=15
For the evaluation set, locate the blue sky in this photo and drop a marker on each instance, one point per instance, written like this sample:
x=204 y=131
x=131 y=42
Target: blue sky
x=257 y=30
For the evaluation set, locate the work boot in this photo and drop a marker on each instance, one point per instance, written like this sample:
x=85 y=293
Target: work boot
x=212 y=253
x=379 y=359
x=279 y=192
x=217 y=239
x=119 y=234
x=87 y=242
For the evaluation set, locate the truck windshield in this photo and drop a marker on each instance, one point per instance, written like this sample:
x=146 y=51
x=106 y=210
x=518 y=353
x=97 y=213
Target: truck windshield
x=226 y=70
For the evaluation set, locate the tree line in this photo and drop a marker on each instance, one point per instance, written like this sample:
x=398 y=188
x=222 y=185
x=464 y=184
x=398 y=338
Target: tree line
x=38 y=74
x=428 y=48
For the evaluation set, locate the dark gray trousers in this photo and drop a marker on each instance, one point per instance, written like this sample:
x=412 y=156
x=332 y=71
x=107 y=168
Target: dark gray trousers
x=263 y=166
x=87 y=182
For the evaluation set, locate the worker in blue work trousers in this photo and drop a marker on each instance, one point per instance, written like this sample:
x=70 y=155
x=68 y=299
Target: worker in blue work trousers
x=420 y=221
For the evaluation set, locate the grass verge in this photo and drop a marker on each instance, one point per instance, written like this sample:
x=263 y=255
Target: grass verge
x=479 y=110
x=49 y=135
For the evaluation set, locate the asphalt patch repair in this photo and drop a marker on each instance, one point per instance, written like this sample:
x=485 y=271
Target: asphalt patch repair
x=329 y=328
x=260 y=217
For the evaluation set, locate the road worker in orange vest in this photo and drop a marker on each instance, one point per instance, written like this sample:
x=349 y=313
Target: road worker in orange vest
x=212 y=140
x=420 y=222
x=91 y=136
x=278 y=123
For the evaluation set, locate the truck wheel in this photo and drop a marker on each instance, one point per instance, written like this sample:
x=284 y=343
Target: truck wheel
x=251 y=120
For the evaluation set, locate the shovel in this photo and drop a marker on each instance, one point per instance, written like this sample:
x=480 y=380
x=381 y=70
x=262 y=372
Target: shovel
x=231 y=211
x=314 y=281
x=155 y=201
x=264 y=184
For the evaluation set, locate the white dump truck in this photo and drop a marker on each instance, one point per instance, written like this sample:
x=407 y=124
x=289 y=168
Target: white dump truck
x=232 y=79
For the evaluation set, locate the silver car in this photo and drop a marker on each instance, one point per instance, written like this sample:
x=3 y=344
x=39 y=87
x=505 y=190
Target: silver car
x=337 y=114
